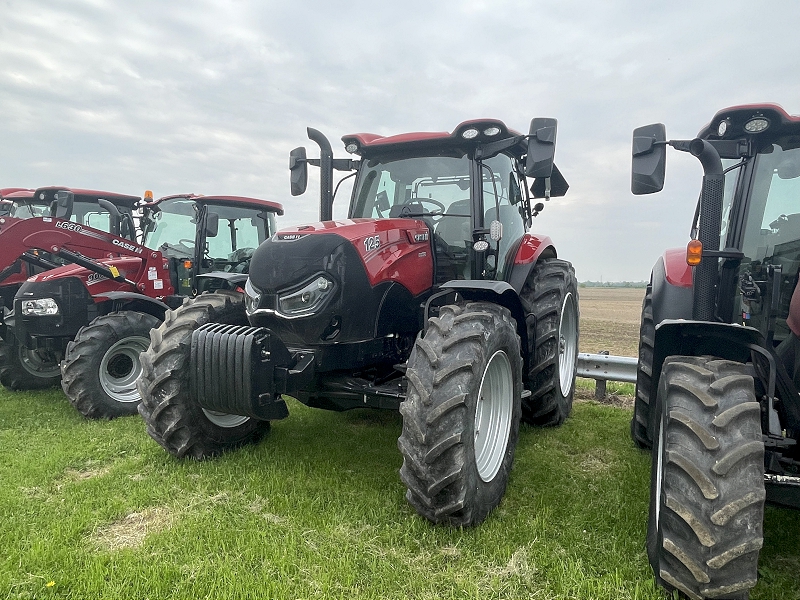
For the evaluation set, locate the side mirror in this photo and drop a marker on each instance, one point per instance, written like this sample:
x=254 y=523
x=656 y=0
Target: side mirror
x=298 y=167
x=63 y=204
x=649 y=152
x=541 y=148
x=212 y=224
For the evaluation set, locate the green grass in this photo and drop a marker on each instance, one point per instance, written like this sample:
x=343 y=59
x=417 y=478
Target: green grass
x=317 y=510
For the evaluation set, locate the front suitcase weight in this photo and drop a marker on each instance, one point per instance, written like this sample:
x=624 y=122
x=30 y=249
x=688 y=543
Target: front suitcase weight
x=232 y=370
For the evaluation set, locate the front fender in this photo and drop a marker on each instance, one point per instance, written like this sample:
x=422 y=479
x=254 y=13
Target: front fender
x=673 y=295
x=498 y=292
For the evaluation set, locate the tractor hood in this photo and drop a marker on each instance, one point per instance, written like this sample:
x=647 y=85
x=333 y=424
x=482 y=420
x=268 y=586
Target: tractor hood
x=388 y=250
x=340 y=282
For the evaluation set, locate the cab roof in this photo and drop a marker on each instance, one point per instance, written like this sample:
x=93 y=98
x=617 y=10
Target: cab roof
x=10 y=194
x=84 y=195
x=486 y=130
x=243 y=201
x=779 y=122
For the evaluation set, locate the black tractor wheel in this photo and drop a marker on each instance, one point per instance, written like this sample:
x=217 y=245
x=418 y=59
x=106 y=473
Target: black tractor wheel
x=173 y=418
x=461 y=413
x=550 y=298
x=707 y=485
x=23 y=369
x=640 y=422
x=101 y=365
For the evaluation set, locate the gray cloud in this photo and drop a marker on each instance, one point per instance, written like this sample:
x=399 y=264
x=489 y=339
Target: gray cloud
x=210 y=96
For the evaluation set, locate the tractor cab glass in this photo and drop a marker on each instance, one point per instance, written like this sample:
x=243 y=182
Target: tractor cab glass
x=771 y=234
x=172 y=228
x=437 y=190
x=85 y=211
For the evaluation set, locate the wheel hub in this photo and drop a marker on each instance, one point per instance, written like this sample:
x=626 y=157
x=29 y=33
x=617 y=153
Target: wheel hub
x=120 y=368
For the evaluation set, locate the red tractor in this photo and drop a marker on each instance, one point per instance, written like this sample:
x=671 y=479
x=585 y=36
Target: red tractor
x=87 y=321
x=718 y=375
x=430 y=299
x=37 y=221
x=7 y=198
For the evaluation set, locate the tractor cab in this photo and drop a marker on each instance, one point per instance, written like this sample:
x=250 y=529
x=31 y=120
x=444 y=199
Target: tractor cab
x=105 y=211
x=202 y=234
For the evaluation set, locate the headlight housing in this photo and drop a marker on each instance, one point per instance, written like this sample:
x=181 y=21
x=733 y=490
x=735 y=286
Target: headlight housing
x=43 y=307
x=252 y=297
x=307 y=299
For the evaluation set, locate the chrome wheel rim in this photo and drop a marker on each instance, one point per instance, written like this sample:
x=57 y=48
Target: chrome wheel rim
x=120 y=368
x=567 y=344
x=493 y=415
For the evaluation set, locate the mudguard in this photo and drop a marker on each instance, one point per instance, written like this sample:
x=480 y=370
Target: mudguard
x=498 y=292
x=673 y=296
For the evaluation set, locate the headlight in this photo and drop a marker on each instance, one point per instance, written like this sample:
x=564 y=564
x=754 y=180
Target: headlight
x=307 y=299
x=39 y=308
x=252 y=297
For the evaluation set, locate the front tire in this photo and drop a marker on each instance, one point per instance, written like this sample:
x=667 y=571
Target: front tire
x=550 y=296
x=101 y=365
x=641 y=432
x=23 y=369
x=461 y=413
x=174 y=419
x=707 y=483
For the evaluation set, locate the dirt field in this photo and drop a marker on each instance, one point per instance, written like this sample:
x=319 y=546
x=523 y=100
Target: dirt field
x=610 y=320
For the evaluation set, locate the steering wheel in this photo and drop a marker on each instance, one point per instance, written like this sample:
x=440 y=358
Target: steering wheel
x=436 y=203
x=190 y=242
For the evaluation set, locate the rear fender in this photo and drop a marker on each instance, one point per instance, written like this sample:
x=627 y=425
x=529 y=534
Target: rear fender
x=672 y=287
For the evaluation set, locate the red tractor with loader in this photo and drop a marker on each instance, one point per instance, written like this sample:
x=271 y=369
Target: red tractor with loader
x=718 y=374
x=431 y=298
x=87 y=321
x=37 y=221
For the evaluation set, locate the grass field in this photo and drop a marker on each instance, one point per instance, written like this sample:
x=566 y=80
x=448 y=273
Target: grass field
x=316 y=510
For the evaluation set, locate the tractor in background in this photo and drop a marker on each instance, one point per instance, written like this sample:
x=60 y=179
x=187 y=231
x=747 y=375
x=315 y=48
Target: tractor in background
x=719 y=358
x=32 y=236
x=431 y=298
x=88 y=320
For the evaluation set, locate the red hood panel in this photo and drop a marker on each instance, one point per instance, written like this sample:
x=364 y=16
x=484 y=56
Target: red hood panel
x=391 y=249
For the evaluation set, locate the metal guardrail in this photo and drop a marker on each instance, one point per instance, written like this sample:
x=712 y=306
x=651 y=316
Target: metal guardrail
x=604 y=367
x=607 y=368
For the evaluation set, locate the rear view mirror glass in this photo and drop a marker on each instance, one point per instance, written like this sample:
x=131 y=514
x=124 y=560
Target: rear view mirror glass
x=212 y=224
x=649 y=161
x=63 y=204
x=541 y=147
x=298 y=168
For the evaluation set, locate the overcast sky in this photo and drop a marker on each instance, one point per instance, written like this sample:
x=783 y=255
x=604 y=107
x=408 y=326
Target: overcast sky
x=210 y=96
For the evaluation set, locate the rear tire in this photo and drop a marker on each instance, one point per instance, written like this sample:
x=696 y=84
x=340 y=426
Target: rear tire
x=461 y=414
x=641 y=429
x=551 y=296
x=101 y=365
x=707 y=483
x=174 y=419
x=22 y=369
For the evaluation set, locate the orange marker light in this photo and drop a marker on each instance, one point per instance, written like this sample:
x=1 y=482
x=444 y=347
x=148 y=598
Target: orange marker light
x=694 y=252
x=187 y=264
x=148 y=195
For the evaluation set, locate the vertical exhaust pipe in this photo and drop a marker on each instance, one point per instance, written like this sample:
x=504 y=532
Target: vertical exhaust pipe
x=707 y=272
x=325 y=174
